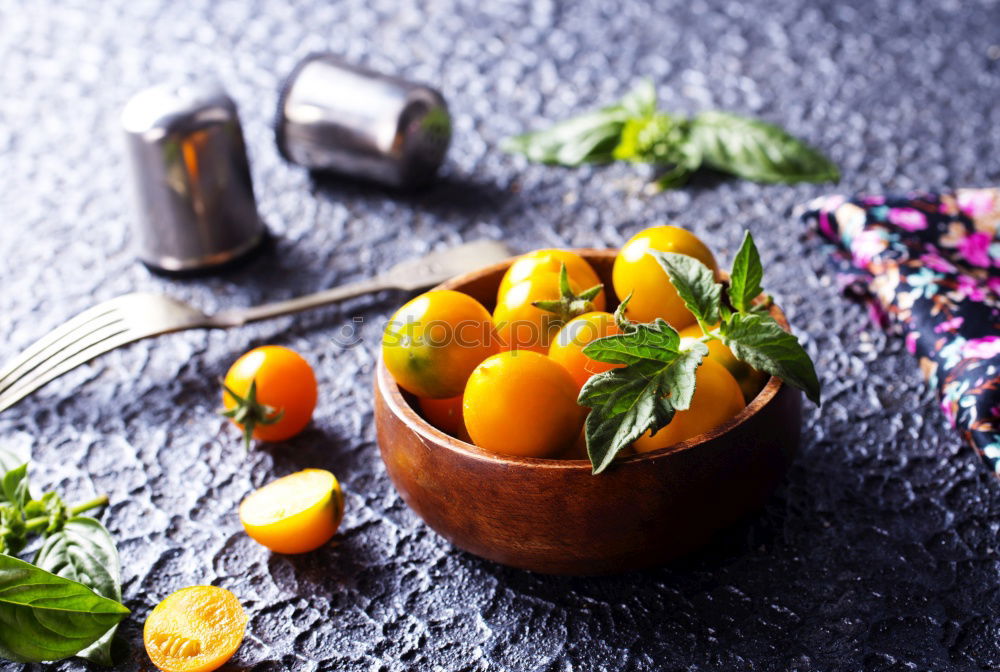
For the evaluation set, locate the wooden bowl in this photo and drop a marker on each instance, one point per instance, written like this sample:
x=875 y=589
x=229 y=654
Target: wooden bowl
x=554 y=516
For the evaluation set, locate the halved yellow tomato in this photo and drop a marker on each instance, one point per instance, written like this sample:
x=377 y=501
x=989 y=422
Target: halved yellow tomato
x=294 y=514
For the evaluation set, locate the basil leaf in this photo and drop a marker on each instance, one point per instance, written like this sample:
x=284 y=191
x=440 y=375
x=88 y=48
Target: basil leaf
x=14 y=487
x=641 y=100
x=84 y=551
x=745 y=276
x=10 y=459
x=590 y=138
x=658 y=380
x=13 y=533
x=46 y=617
x=760 y=341
x=756 y=150
x=695 y=284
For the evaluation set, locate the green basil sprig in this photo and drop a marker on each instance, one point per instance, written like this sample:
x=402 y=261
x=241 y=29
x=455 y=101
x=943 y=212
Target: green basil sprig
x=633 y=130
x=69 y=601
x=84 y=551
x=658 y=376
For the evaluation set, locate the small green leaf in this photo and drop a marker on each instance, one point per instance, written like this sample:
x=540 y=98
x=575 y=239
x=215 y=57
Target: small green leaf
x=625 y=404
x=13 y=533
x=746 y=276
x=760 y=341
x=46 y=617
x=10 y=459
x=84 y=551
x=657 y=380
x=655 y=139
x=14 y=487
x=680 y=376
x=756 y=150
x=589 y=138
x=52 y=506
x=641 y=100
x=657 y=342
x=695 y=284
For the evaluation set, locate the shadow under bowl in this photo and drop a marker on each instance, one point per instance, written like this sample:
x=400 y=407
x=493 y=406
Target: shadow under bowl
x=554 y=516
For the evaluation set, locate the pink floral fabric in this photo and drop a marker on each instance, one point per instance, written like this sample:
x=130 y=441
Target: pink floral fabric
x=929 y=265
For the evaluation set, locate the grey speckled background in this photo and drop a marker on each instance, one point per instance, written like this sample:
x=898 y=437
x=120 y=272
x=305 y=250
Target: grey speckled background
x=880 y=550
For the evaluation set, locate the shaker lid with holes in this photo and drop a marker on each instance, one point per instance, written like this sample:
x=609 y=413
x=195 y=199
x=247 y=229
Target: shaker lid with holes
x=337 y=117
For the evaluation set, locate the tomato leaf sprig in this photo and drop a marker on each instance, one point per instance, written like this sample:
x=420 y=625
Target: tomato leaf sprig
x=658 y=376
x=633 y=130
x=69 y=601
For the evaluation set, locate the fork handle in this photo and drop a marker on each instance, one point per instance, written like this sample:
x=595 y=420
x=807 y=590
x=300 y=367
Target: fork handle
x=240 y=316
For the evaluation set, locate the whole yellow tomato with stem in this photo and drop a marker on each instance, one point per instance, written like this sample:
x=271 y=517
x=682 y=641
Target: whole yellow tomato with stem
x=196 y=629
x=522 y=403
x=530 y=313
x=637 y=273
x=567 y=346
x=297 y=513
x=270 y=392
x=432 y=344
x=717 y=398
x=552 y=261
x=750 y=380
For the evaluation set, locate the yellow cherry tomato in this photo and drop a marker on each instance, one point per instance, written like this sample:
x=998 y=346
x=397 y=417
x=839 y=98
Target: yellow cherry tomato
x=433 y=343
x=196 y=629
x=445 y=414
x=522 y=403
x=551 y=261
x=284 y=392
x=567 y=346
x=717 y=398
x=637 y=272
x=522 y=326
x=294 y=514
x=750 y=380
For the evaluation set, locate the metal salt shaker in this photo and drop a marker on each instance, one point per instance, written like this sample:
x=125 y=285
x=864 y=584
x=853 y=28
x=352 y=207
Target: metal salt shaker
x=342 y=118
x=191 y=179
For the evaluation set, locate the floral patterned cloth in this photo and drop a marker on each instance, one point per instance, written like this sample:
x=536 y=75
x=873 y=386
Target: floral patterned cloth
x=929 y=265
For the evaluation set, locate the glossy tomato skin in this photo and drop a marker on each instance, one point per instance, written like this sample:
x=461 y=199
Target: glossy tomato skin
x=567 y=346
x=750 y=380
x=551 y=261
x=522 y=403
x=522 y=326
x=445 y=414
x=432 y=344
x=297 y=513
x=717 y=398
x=285 y=382
x=196 y=629
x=637 y=272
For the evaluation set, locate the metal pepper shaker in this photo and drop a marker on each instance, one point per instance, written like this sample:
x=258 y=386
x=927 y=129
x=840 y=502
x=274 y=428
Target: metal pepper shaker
x=337 y=117
x=190 y=176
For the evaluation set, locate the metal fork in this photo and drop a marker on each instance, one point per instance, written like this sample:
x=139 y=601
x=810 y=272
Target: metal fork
x=132 y=317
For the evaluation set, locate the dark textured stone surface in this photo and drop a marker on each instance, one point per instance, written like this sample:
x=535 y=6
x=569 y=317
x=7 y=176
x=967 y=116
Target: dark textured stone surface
x=880 y=550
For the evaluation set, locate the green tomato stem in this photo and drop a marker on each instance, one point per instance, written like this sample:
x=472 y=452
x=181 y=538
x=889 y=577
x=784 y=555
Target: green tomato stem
x=41 y=522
